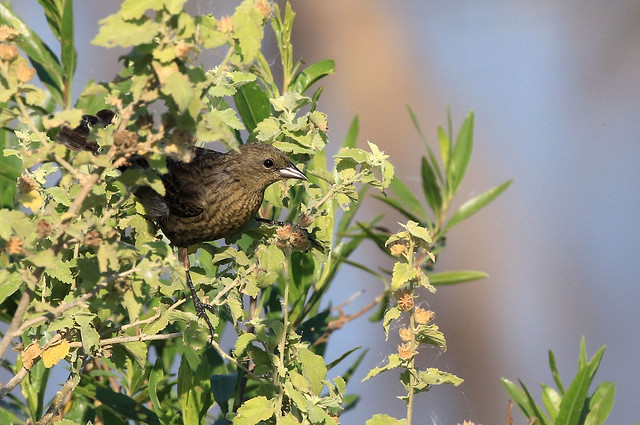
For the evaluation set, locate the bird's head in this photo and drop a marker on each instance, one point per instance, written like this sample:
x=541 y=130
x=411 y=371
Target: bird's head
x=267 y=164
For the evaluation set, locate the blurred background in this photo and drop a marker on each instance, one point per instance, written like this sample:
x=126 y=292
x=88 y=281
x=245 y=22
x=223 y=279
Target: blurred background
x=556 y=91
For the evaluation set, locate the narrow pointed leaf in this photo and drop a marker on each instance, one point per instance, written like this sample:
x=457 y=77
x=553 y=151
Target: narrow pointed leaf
x=352 y=134
x=432 y=157
x=68 y=56
x=551 y=400
x=430 y=187
x=451 y=278
x=400 y=208
x=601 y=403
x=461 y=153
x=519 y=397
x=311 y=74
x=252 y=104
x=475 y=204
x=408 y=200
x=573 y=401
x=445 y=148
x=554 y=372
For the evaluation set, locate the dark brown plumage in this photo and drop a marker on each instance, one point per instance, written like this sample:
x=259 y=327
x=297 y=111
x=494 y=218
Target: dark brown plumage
x=210 y=197
x=215 y=194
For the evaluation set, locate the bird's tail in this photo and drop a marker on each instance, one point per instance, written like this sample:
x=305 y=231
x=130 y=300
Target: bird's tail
x=77 y=139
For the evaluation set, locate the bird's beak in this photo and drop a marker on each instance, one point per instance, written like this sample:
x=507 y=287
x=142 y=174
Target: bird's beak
x=292 y=172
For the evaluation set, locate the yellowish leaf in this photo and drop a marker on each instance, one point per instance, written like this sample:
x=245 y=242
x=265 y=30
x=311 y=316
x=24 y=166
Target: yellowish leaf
x=31 y=200
x=52 y=355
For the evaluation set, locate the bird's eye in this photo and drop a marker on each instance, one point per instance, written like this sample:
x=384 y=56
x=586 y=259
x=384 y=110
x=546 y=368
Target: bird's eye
x=268 y=163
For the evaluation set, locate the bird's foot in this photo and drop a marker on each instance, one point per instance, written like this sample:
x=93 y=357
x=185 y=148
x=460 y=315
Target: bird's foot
x=201 y=311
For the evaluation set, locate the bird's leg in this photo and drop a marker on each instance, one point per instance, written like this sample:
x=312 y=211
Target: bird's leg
x=201 y=307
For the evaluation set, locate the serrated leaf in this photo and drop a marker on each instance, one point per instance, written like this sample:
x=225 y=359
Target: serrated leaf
x=380 y=419
x=135 y=9
x=268 y=129
x=247 y=28
x=402 y=273
x=474 y=205
x=313 y=369
x=390 y=315
x=178 y=87
x=393 y=362
x=253 y=411
x=116 y=32
x=61 y=271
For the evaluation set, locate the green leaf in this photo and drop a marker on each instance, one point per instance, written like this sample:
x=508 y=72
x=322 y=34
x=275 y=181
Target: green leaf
x=247 y=24
x=402 y=273
x=252 y=104
x=554 y=372
x=179 y=89
x=305 y=79
x=313 y=369
x=461 y=153
x=601 y=403
x=520 y=398
x=394 y=361
x=125 y=405
x=575 y=399
x=452 y=278
x=352 y=134
x=68 y=56
x=380 y=419
x=253 y=411
x=430 y=187
x=222 y=387
x=398 y=207
x=9 y=283
x=114 y=31
x=551 y=400
x=474 y=205
x=135 y=9
x=407 y=199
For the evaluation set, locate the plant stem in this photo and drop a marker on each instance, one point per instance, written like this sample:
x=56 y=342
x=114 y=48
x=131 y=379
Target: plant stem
x=283 y=340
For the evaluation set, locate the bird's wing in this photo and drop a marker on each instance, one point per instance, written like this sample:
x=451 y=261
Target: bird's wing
x=187 y=183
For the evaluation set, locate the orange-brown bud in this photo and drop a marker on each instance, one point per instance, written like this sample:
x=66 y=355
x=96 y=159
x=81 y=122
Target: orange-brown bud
x=225 y=24
x=405 y=334
x=397 y=249
x=43 y=229
x=92 y=238
x=423 y=316
x=25 y=73
x=8 y=52
x=405 y=351
x=15 y=245
x=404 y=298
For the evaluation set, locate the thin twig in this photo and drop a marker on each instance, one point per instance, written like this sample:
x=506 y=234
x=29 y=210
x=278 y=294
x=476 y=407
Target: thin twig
x=56 y=405
x=13 y=382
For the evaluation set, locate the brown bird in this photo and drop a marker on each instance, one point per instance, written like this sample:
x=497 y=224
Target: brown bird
x=210 y=197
